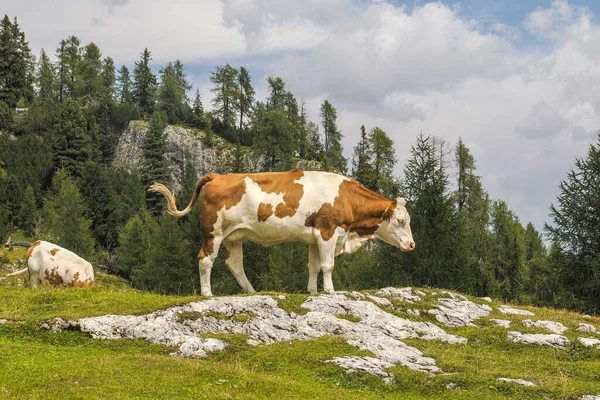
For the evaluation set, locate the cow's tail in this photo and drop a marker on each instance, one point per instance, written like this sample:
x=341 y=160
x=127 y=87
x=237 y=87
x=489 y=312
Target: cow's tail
x=19 y=272
x=172 y=205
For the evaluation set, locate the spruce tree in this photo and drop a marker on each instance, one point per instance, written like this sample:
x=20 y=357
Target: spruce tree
x=72 y=143
x=144 y=85
x=226 y=90
x=246 y=95
x=90 y=70
x=333 y=138
x=383 y=162
x=125 y=86
x=63 y=216
x=133 y=252
x=155 y=167
x=46 y=79
x=172 y=99
x=108 y=78
x=16 y=64
x=362 y=170
x=574 y=229
x=69 y=59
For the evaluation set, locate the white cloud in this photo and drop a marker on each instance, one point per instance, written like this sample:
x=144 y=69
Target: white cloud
x=542 y=122
x=551 y=23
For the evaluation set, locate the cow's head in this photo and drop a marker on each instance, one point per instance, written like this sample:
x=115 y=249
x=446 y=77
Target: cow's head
x=395 y=228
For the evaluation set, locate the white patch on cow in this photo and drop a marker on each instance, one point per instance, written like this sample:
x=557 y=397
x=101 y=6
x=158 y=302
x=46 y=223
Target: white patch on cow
x=319 y=188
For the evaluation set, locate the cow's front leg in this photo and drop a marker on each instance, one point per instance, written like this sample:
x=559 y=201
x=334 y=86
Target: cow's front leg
x=327 y=255
x=235 y=262
x=314 y=266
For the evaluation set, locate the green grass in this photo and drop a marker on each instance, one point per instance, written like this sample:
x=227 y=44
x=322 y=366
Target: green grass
x=38 y=364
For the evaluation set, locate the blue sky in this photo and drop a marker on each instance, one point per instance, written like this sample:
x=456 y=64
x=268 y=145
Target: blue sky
x=519 y=81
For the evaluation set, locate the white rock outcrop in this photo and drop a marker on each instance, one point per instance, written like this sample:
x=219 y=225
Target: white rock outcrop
x=259 y=316
x=586 y=328
x=459 y=311
x=552 y=340
x=514 y=311
x=518 y=381
x=406 y=294
x=554 y=327
x=589 y=342
x=501 y=322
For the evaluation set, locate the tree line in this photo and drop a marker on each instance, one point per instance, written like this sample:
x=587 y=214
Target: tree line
x=60 y=120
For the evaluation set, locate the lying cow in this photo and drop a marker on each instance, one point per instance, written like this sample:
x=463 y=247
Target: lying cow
x=329 y=212
x=48 y=263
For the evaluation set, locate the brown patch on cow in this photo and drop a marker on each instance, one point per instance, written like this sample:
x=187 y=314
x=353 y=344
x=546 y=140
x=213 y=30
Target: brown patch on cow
x=78 y=283
x=223 y=191
x=30 y=250
x=53 y=277
x=282 y=182
x=355 y=209
x=54 y=251
x=264 y=212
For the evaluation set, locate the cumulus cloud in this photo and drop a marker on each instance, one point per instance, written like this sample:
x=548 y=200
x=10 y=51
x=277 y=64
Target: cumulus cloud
x=551 y=22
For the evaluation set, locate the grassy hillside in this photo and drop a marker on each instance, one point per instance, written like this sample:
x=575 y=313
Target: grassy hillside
x=36 y=363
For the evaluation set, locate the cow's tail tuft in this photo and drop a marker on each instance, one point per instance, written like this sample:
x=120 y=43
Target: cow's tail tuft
x=172 y=205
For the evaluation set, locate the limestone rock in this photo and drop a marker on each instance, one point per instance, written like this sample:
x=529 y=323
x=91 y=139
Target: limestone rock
x=488 y=299
x=554 y=327
x=514 y=311
x=403 y=294
x=381 y=301
x=458 y=311
x=501 y=322
x=518 y=381
x=377 y=331
x=552 y=340
x=586 y=328
x=588 y=342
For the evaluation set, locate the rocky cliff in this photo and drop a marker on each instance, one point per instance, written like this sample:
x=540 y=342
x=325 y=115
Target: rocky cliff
x=187 y=144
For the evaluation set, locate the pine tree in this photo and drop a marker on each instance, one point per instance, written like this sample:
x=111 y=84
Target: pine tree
x=63 y=216
x=575 y=231
x=133 y=252
x=433 y=220
x=16 y=64
x=90 y=71
x=144 y=85
x=473 y=205
x=69 y=59
x=27 y=211
x=199 y=118
x=125 y=86
x=72 y=143
x=225 y=89
x=333 y=138
x=245 y=97
x=507 y=253
x=277 y=90
x=46 y=79
x=102 y=201
x=155 y=167
x=168 y=269
x=172 y=99
x=108 y=78
x=362 y=170
x=383 y=162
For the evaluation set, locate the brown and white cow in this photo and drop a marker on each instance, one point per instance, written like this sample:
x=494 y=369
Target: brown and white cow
x=49 y=263
x=329 y=212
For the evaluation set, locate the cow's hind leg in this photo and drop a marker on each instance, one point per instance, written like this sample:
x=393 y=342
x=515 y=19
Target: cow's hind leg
x=205 y=263
x=314 y=266
x=327 y=256
x=235 y=263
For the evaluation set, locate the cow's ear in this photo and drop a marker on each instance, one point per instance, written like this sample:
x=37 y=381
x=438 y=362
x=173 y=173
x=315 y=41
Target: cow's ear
x=387 y=214
x=401 y=201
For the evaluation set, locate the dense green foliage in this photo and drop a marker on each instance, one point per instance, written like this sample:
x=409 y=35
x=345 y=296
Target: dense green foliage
x=59 y=180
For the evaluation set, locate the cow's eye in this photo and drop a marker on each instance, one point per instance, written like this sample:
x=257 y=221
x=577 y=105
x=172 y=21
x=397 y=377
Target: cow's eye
x=400 y=222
